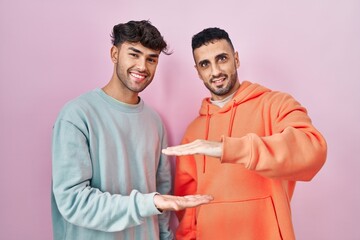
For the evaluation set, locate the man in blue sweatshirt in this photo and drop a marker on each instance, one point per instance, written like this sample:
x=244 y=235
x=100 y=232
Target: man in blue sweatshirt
x=109 y=177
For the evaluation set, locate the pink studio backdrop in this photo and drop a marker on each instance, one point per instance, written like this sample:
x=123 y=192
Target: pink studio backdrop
x=52 y=51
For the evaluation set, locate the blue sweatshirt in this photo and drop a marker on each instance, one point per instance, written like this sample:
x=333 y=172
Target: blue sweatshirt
x=106 y=168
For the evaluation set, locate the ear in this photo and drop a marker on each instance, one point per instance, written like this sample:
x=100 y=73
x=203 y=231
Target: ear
x=237 y=59
x=114 y=53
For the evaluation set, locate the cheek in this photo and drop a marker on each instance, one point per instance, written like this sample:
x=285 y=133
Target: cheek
x=228 y=68
x=152 y=69
x=204 y=75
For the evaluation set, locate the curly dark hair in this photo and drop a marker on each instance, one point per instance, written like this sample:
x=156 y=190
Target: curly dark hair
x=139 y=31
x=209 y=35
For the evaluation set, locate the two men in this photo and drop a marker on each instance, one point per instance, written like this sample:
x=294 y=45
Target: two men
x=247 y=149
x=109 y=178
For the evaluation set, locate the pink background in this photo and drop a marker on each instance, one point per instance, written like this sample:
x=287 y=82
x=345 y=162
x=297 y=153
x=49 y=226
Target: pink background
x=52 y=51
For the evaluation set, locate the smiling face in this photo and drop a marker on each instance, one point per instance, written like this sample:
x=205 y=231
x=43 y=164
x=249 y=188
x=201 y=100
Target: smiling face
x=217 y=64
x=135 y=66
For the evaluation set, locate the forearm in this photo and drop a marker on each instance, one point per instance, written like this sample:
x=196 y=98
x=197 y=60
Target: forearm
x=293 y=154
x=78 y=201
x=97 y=210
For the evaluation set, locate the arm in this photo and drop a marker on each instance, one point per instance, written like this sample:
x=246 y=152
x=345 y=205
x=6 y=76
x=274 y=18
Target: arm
x=79 y=202
x=291 y=155
x=296 y=151
x=83 y=205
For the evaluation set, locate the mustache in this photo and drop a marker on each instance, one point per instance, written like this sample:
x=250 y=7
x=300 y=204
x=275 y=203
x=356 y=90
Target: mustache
x=221 y=75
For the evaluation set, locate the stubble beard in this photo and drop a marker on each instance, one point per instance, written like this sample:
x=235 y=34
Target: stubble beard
x=126 y=82
x=223 y=90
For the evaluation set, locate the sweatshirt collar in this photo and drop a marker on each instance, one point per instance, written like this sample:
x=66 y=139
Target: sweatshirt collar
x=121 y=106
x=222 y=102
x=246 y=91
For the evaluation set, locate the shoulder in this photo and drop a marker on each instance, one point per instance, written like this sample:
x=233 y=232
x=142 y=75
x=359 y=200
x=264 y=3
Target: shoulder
x=281 y=98
x=282 y=103
x=79 y=106
x=272 y=97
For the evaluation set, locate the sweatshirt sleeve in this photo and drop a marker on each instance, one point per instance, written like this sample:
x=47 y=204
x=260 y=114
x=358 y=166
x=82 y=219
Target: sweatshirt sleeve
x=185 y=184
x=164 y=185
x=294 y=151
x=77 y=201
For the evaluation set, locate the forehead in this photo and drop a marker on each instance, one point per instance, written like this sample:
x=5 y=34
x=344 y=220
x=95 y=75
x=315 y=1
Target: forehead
x=129 y=46
x=212 y=49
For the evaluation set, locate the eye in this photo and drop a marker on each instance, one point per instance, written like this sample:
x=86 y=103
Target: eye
x=152 y=60
x=203 y=64
x=133 y=55
x=223 y=59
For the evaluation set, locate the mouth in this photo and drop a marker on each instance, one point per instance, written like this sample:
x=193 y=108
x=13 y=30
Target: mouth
x=138 y=76
x=218 y=82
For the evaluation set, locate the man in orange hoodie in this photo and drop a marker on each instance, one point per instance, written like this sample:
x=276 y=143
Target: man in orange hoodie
x=247 y=149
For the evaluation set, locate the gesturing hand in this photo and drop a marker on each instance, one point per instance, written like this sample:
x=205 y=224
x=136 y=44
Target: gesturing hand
x=176 y=203
x=210 y=148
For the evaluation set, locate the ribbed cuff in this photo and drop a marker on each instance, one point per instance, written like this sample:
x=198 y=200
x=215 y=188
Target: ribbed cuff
x=236 y=150
x=148 y=207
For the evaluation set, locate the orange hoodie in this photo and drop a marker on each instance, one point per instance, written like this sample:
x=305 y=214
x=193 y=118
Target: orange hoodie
x=269 y=143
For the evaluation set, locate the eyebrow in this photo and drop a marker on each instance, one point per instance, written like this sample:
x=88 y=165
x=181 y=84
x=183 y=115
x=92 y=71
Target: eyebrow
x=217 y=57
x=221 y=55
x=154 y=55
x=203 y=61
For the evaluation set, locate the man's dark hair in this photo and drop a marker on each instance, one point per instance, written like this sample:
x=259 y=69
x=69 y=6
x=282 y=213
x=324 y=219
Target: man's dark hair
x=209 y=35
x=139 y=31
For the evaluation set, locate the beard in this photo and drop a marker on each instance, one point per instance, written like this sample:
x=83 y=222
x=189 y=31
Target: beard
x=122 y=75
x=225 y=89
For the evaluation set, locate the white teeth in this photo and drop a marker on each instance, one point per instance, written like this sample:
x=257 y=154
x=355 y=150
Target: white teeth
x=218 y=81
x=137 y=75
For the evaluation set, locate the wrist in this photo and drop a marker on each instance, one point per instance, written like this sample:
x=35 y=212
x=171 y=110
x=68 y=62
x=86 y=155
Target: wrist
x=156 y=198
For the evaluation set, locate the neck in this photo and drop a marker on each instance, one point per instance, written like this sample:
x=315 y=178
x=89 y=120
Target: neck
x=215 y=97
x=122 y=96
x=222 y=102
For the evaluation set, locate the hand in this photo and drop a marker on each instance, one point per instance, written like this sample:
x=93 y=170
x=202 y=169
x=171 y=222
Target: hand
x=176 y=203
x=209 y=148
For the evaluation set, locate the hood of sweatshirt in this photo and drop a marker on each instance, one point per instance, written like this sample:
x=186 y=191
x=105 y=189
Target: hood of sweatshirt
x=246 y=92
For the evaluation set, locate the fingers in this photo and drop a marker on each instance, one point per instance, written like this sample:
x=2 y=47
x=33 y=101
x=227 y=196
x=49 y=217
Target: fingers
x=199 y=197
x=176 y=203
x=185 y=149
x=176 y=152
x=195 y=200
x=209 y=148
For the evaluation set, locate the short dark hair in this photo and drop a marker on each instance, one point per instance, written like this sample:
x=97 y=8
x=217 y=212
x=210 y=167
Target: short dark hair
x=139 y=31
x=209 y=35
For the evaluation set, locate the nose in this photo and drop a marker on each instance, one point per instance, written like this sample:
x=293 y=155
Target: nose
x=141 y=64
x=215 y=70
